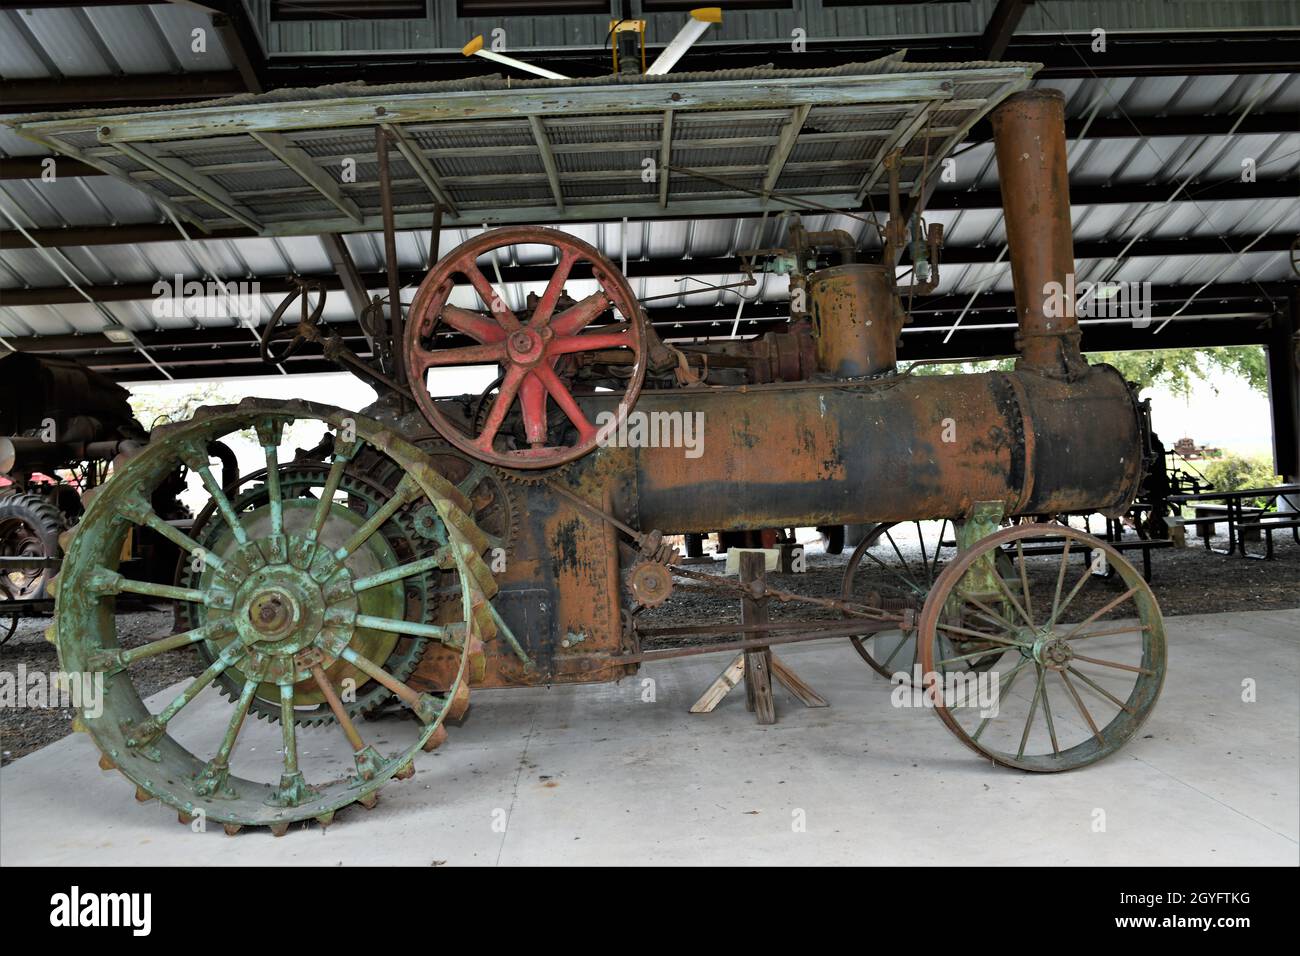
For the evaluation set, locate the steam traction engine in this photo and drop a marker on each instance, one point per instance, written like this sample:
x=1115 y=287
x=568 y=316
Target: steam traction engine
x=334 y=582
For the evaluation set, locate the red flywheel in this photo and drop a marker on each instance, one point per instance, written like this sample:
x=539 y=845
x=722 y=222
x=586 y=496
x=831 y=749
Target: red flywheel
x=526 y=350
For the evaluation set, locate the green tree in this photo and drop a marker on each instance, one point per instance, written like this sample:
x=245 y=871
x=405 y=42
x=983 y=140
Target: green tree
x=1234 y=472
x=1181 y=370
x=163 y=406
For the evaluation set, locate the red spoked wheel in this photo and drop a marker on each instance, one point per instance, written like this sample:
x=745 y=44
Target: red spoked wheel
x=527 y=349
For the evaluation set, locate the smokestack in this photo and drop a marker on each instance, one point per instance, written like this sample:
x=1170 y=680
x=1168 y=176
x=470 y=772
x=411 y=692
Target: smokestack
x=1029 y=136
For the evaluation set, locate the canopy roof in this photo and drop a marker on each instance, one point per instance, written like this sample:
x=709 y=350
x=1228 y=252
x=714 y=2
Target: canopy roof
x=500 y=150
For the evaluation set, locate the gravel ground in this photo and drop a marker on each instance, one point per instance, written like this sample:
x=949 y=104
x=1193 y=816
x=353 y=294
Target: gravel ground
x=24 y=729
x=1186 y=581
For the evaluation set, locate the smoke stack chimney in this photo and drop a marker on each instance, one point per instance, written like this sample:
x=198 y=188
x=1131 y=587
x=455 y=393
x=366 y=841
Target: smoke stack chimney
x=1029 y=137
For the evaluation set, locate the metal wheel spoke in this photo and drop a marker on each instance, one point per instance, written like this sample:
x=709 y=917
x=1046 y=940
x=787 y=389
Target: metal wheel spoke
x=111 y=582
x=564 y=398
x=1011 y=598
x=476 y=325
x=974 y=655
x=1029 y=721
x=162 y=645
x=1118 y=666
x=1074 y=592
x=1060 y=580
x=1078 y=702
x=203 y=680
x=1101 y=690
x=1003 y=690
x=272 y=455
x=408 y=489
x=546 y=304
x=911 y=580
x=938 y=547
x=505 y=397
x=925 y=561
x=911 y=585
x=992 y=614
x=464 y=355
x=336 y=707
x=222 y=757
x=1047 y=710
x=1024 y=581
x=141 y=512
x=410 y=697
x=326 y=500
x=223 y=503
x=401 y=571
x=288 y=731
x=602 y=339
x=494 y=302
x=1108 y=606
x=577 y=317
x=896 y=649
x=532 y=402
x=398 y=626
x=1130 y=629
x=980 y=635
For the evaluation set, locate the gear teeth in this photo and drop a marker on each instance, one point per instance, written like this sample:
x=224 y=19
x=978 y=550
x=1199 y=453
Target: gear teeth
x=406 y=771
x=279 y=829
x=143 y=795
x=370 y=800
x=476 y=666
x=325 y=819
x=436 y=739
x=232 y=828
x=106 y=762
x=459 y=702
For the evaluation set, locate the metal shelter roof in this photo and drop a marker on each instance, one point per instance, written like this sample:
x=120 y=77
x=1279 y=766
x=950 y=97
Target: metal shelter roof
x=499 y=150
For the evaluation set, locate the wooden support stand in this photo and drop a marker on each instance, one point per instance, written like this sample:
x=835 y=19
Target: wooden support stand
x=756 y=667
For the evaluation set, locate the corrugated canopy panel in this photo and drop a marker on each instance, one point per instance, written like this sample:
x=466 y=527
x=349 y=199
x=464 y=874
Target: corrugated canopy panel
x=498 y=150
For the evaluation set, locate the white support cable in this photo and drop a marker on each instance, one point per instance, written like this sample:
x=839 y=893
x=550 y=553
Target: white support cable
x=696 y=26
x=1147 y=144
x=72 y=284
x=1209 y=282
x=475 y=48
x=200 y=255
x=977 y=293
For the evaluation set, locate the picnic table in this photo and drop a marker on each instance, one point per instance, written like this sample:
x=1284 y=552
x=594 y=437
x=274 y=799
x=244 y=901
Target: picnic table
x=1245 y=522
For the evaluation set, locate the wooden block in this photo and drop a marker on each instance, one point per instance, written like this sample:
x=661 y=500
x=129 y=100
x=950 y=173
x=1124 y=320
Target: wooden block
x=758 y=682
x=719 y=689
x=795 y=684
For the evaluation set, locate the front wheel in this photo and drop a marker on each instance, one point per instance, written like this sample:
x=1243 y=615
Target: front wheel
x=1083 y=661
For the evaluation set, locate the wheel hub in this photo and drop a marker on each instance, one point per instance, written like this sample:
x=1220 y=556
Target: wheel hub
x=274 y=613
x=279 y=609
x=525 y=347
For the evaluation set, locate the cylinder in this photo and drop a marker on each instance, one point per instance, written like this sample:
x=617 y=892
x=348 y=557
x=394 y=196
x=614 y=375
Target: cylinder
x=1029 y=138
x=856 y=319
x=905 y=449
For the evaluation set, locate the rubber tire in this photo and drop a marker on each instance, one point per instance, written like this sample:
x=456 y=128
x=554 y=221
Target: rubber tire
x=834 y=538
x=694 y=545
x=48 y=523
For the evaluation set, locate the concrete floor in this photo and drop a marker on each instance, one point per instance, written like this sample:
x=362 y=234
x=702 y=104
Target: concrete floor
x=596 y=775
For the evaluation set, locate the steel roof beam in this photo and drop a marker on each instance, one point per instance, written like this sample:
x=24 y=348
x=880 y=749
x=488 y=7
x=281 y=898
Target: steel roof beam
x=699 y=266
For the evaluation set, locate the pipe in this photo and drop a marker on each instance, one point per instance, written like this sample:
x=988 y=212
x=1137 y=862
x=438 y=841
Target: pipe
x=1029 y=138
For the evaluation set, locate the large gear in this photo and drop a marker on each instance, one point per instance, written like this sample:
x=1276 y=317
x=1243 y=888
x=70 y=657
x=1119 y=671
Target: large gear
x=401 y=534
x=493 y=507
